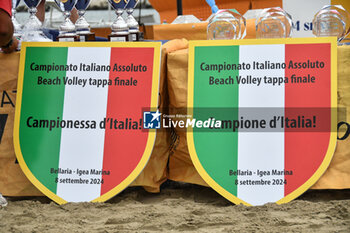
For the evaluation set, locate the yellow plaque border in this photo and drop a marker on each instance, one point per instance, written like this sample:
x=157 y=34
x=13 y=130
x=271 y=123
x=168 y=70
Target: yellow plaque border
x=154 y=103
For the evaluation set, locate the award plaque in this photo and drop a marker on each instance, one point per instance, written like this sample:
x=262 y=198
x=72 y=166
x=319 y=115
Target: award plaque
x=120 y=30
x=131 y=21
x=67 y=29
x=273 y=23
x=331 y=20
x=17 y=27
x=226 y=25
x=81 y=25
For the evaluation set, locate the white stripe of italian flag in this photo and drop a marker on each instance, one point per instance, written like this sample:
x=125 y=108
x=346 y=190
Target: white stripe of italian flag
x=87 y=152
x=253 y=144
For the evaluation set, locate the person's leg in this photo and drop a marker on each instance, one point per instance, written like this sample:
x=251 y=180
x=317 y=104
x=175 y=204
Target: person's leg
x=41 y=11
x=74 y=15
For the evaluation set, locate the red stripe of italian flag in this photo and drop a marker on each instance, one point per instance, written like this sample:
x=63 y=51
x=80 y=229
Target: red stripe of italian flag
x=263 y=152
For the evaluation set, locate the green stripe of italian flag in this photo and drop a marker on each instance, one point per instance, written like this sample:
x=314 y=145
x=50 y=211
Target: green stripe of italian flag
x=66 y=154
x=267 y=165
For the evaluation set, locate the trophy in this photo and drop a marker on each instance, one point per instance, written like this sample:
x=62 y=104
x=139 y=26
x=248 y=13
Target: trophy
x=17 y=27
x=226 y=25
x=120 y=30
x=33 y=24
x=67 y=29
x=82 y=26
x=331 y=20
x=32 y=29
x=131 y=21
x=273 y=23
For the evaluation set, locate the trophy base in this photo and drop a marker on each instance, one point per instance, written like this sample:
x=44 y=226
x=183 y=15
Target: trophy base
x=118 y=38
x=133 y=36
x=140 y=36
x=136 y=36
x=87 y=37
x=67 y=38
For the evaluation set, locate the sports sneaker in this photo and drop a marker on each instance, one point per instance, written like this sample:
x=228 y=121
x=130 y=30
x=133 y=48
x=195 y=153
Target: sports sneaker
x=3 y=201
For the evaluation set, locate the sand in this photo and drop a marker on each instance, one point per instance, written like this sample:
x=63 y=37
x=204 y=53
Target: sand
x=179 y=208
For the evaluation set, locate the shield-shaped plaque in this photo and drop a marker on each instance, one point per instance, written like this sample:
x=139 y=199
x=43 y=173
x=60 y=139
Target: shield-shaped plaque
x=268 y=116
x=78 y=128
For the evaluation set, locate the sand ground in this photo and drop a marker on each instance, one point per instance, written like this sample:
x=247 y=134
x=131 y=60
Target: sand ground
x=179 y=208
